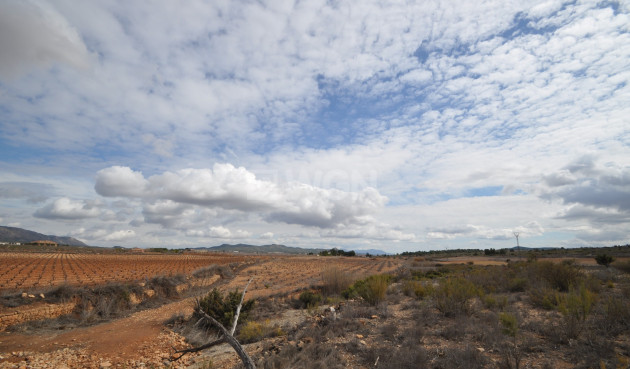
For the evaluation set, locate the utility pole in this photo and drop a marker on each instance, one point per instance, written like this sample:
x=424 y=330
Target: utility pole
x=518 y=246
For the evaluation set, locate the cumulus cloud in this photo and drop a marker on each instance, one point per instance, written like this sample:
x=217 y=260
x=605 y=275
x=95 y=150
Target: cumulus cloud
x=68 y=209
x=169 y=195
x=120 y=181
x=33 y=33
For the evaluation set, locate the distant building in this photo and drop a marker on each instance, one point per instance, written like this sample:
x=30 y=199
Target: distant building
x=137 y=250
x=44 y=243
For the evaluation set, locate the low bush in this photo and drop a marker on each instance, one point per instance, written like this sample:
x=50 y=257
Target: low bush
x=558 y=276
x=309 y=299
x=166 y=286
x=575 y=307
x=452 y=296
x=623 y=266
x=494 y=301
x=604 y=259
x=545 y=298
x=335 y=281
x=371 y=289
x=255 y=331
x=614 y=316
x=414 y=288
x=517 y=284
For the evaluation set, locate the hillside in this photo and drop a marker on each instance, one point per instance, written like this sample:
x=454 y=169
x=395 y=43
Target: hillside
x=13 y=234
x=264 y=249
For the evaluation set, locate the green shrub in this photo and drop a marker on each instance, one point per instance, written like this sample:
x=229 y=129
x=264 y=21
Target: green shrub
x=309 y=299
x=545 y=298
x=509 y=324
x=517 y=284
x=576 y=306
x=414 y=288
x=222 y=308
x=557 y=276
x=453 y=295
x=371 y=289
x=604 y=259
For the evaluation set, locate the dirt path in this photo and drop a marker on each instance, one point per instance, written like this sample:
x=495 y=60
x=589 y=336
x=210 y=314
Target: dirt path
x=134 y=338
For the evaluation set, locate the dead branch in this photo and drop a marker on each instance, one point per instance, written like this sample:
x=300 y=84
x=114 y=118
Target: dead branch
x=238 y=308
x=225 y=335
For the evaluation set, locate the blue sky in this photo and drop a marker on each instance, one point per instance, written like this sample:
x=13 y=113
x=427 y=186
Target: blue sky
x=399 y=126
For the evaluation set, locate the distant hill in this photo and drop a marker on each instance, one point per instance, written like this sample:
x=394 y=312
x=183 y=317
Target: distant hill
x=264 y=249
x=523 y=248
x=13 y=234
x=371 y=252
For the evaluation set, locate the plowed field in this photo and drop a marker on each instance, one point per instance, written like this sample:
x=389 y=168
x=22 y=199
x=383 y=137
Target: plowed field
x=273 y=274
x=25 y=271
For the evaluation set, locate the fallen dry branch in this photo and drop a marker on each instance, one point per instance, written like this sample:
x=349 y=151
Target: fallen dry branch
x=226 y=336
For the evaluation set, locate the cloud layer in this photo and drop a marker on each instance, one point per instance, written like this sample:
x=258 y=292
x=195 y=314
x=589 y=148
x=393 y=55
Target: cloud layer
x=429 y=123
x=228 y=188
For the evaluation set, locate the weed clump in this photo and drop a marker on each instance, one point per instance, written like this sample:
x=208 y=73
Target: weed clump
x=255 y=331
x=371 y=289
x=335 y=281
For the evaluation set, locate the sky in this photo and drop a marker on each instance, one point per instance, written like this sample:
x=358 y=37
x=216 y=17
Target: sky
x=397 y=125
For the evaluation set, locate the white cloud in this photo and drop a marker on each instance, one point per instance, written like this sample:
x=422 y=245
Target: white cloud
x=230 y=188
x=68 y=209
x=120 y=181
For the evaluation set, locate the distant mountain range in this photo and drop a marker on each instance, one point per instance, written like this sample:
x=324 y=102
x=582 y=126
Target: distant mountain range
x=523 y=248
x=275 y=249
x=371 y=252
x=13 y=234
x=264 y=249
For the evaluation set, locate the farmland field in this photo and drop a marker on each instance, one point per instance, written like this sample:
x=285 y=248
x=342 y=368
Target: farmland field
x=26 y=271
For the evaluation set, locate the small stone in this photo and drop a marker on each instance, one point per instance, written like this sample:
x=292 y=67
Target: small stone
x=363 y=342
x=41 y=295
x=481 y=349
x=105 y=365
x=374 y=317
x=31 y=296
x=359 y=336
x=24 y=295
